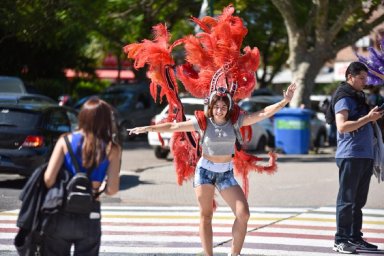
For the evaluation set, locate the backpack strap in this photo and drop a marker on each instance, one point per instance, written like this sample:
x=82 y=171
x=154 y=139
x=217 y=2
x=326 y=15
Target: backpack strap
x=73 y=157
x=71 y=154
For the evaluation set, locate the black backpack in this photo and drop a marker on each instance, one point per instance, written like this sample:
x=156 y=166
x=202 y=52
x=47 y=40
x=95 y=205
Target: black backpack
x=78 y=196
x=345 y=90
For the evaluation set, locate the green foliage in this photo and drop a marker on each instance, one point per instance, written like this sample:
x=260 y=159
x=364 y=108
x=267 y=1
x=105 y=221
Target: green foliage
x=85 y=88
x=50 y=87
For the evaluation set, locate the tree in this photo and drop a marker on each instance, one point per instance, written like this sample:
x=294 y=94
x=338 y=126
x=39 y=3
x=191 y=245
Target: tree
x=318 y=29
x=39 y=38
x=126 y=21
x=266 y=32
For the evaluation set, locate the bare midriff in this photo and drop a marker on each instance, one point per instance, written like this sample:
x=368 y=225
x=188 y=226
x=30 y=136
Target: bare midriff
x=218 y=159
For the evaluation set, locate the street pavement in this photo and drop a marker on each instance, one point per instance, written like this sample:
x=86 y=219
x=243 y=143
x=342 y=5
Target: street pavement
x=292 y=211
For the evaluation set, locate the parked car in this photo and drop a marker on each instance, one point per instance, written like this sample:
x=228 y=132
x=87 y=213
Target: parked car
x=257 y=103
x=258 y=140
x=24 y=98
x=10 y=84
x=134 y=106
x=318 y=128
x=263 y=92
x=79 y=103
x=28 y=134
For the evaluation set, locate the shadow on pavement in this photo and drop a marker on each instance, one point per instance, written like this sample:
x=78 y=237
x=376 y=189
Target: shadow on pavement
x=136 y=143
x=130 y=181
x=364 y=252
x=294 y=159
x=13 y=183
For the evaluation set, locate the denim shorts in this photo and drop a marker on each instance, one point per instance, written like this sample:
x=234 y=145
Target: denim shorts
x=221 y=180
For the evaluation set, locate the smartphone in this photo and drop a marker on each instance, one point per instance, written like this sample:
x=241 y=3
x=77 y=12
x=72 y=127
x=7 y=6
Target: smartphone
x=381 y=108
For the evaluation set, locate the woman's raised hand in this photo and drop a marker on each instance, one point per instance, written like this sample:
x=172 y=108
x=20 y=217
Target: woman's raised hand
x=288 y=94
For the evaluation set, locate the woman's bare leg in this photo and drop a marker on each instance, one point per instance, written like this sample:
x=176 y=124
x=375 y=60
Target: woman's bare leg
x=235 y=198
x=205 y=194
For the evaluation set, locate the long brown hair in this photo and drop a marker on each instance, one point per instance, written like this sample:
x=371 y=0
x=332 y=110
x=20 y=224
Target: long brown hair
x=97 y=123
x=216 y=98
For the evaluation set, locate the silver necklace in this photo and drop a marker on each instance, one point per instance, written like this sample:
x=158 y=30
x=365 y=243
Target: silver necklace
x=218 y=129
x=219 y=132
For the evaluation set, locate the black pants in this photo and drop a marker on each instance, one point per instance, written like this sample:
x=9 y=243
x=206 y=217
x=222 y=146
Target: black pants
x=66 y=229
x=354 y=178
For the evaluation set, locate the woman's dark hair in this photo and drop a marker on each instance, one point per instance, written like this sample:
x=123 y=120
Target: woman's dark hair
x=97 y=122
x=212 y=103
x=355 y=68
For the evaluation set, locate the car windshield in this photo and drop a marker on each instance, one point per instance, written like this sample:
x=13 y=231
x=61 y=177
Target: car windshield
x=118 y=99
x=17 y=118
x=26 y=100
x=189 y=109
x=252 y=106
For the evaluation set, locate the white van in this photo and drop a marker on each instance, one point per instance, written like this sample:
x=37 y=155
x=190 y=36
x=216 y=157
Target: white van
x=10 y=84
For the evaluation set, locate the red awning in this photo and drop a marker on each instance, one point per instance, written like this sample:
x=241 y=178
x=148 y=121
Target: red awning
x=113 y=73
x=102 y=74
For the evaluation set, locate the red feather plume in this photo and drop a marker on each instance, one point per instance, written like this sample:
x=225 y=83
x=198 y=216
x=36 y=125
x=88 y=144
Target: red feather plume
x=217 y=46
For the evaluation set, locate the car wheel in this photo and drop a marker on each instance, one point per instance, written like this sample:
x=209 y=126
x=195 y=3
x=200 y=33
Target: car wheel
x=262 y=144
x=271 y=140
x=320 y=139
x=161 y=153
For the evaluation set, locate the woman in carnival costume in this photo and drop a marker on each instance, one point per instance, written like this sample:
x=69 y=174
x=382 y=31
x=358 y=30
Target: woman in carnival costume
x=207 y=148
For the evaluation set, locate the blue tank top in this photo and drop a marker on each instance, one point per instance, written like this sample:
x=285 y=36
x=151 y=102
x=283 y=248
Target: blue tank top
x=98 y=174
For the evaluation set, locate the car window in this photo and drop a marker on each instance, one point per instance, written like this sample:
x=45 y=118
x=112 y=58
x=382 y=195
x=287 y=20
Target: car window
x=17 y=118
x=73 y=120
x=11 y=85
x=58 y=122
x=32 y=99
x=118 y=99
x=252 y=106
x=189 y=109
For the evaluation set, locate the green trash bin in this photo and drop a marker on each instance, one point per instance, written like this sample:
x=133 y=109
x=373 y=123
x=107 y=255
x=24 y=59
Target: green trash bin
x=292 y=130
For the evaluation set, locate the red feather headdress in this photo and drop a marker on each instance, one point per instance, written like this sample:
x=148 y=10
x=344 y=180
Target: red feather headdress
x=218 y=47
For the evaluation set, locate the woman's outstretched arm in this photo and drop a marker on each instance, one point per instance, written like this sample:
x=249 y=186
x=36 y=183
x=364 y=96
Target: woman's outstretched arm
x=186 y=126
x=270 y=110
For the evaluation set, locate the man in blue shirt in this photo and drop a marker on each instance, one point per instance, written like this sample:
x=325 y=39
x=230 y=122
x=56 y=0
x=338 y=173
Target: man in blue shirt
x=354 y=157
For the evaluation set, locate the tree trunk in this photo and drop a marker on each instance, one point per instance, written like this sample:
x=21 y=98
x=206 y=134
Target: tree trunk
x=304 y=74
x=305 y=65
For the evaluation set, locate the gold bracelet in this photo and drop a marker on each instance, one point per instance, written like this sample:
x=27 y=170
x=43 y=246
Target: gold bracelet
x=282 y=105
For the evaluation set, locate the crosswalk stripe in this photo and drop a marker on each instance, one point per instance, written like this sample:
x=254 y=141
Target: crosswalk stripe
x=170 y=230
